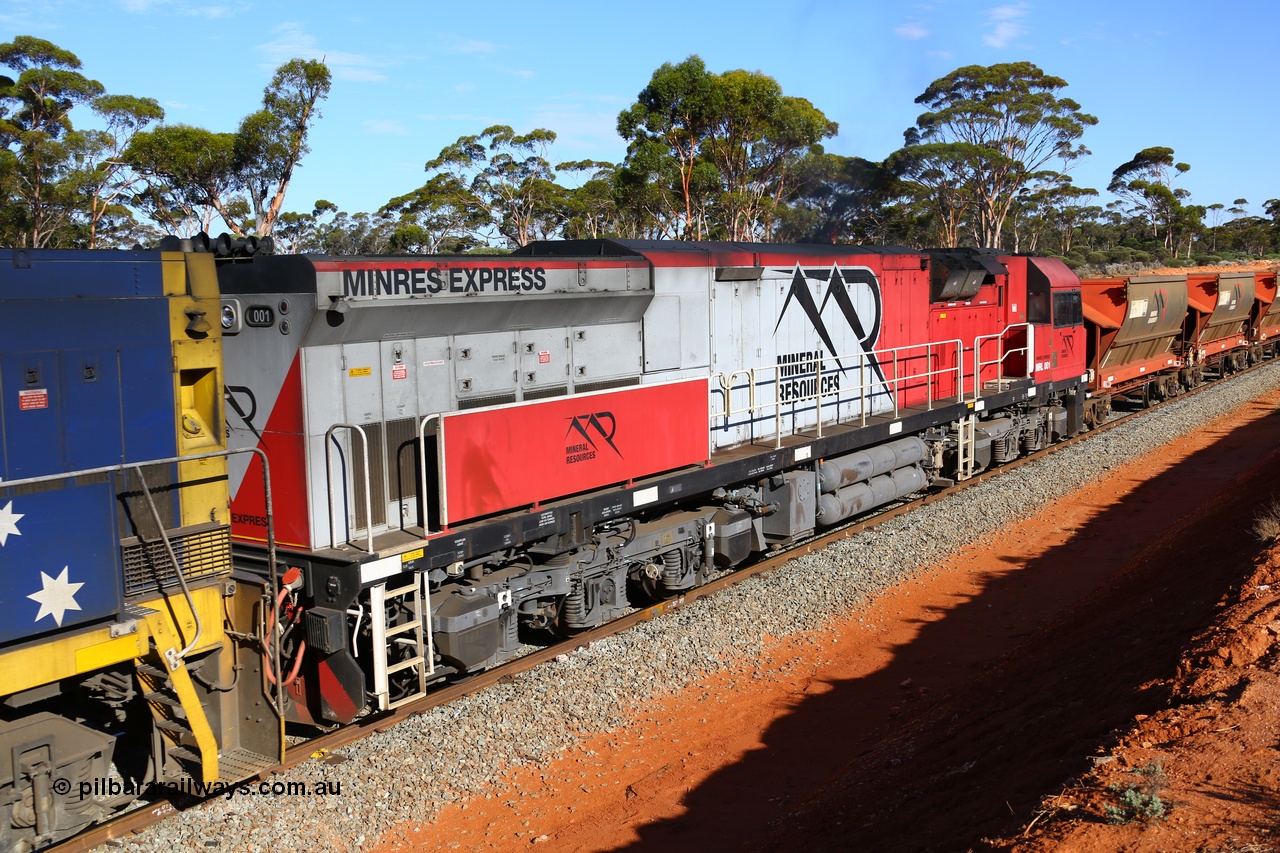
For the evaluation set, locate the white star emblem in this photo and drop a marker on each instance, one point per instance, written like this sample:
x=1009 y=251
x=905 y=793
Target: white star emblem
x=57 y=597
x=9 y=522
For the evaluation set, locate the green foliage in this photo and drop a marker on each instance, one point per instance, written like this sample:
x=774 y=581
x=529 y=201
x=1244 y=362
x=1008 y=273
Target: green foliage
x=496 y=181
x=38 y=135
x=193 y=174
x=989 y=133
x=710 y=156
x=1140 y=800
x=715 y=155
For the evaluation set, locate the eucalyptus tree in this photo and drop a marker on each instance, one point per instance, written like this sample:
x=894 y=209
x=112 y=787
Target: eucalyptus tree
x=715 y=154
x=241 y=177
x=757 y=139
x=101 y=173
x=190 y=177
x=1146 y=183
x=271 y=142
x=666 y=128
x=989 y=132
x=37 y=137
x=497 y=180
x=439 y=216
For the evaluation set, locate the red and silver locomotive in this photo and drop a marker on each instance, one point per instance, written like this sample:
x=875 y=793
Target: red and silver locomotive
x=466 y=449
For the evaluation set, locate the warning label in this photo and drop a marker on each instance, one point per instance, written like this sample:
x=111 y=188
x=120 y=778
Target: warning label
x=34 y=398
x=399 y=371
x=544 y=357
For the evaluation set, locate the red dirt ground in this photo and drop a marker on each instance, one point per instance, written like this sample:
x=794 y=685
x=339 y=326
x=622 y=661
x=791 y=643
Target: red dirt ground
x=974 y=702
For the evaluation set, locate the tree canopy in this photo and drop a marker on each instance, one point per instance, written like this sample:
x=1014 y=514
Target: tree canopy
x=989 y=132
x=710 y=155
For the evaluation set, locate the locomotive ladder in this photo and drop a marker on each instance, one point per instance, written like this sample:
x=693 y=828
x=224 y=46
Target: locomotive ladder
x=176 y=711
x=386 y=637
x=967 y=449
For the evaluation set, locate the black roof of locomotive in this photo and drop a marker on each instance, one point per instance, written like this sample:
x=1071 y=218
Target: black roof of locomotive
x=611 y=248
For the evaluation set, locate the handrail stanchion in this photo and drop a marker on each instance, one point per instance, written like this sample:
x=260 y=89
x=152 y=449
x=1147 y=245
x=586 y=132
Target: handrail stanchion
x=368 y=499
x=422 y=470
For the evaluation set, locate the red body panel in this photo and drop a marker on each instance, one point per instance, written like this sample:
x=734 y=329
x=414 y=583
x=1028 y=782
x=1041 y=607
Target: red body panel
x=284 y=442
x=510 y=456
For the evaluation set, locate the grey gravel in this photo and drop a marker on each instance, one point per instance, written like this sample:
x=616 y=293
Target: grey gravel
x=457 y=752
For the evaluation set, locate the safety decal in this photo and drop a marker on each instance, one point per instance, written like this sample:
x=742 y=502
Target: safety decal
x=33 y=398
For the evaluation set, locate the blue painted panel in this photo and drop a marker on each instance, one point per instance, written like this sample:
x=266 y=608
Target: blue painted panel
x=47 y=324
x=59 y=560
x=32 y=428
x=149 y=412
x=91 y=409
x=55 y=273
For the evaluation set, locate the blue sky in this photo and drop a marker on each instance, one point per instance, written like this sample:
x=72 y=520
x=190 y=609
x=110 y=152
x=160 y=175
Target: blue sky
x=411 y=77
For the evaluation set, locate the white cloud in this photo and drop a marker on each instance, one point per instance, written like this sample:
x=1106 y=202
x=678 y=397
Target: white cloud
x=385 y=126
x=911 y=31
x=463 y=88
x=291 y=41
x=1007 y=23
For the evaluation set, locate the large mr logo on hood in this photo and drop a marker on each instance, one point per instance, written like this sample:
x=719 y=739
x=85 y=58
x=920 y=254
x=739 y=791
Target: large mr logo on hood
x=842 y=286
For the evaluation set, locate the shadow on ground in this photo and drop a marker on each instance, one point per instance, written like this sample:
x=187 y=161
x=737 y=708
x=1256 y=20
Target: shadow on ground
x=1004 y=698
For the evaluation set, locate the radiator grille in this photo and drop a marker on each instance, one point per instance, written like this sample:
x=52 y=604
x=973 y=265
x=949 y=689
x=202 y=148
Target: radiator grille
x=604 y=384
x=544 y=393
x=377 y=478
x=492 y=400
x=201 y=551
x=402 y=451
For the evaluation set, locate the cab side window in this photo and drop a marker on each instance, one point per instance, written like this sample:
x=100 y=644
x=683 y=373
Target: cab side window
x=1066 y=309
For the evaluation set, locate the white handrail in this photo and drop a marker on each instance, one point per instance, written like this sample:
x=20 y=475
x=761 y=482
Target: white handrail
x=978 y=363
x=368 y=502
x=422 y=469
x=895 y=357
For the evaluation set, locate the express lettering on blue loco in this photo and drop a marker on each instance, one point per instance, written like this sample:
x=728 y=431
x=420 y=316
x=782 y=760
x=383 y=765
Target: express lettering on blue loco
x=417 y=281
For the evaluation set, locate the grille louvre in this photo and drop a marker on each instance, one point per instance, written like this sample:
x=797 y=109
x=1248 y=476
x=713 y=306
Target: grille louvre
x=492 y=400
x=402 y=450
x=377 y=479
x=545 y=393
x=604 y=384
x=201 y=551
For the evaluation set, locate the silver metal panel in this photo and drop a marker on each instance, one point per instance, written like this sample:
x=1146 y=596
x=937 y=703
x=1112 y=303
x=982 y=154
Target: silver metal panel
x=398 y=372
x=662 y=334
x=600 y=352
x=690 y=287
x=433 y=376
x=323 y=502
x=322 y=382
x=361 y=384
x=762 y=325
x=484 y=364
x=406 y=279
x=543 y=357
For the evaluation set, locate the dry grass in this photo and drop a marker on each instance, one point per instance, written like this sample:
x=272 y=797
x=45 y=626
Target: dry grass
x=1266 y=524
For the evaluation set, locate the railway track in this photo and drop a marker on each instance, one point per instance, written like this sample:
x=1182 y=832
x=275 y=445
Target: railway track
x=320 y=746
